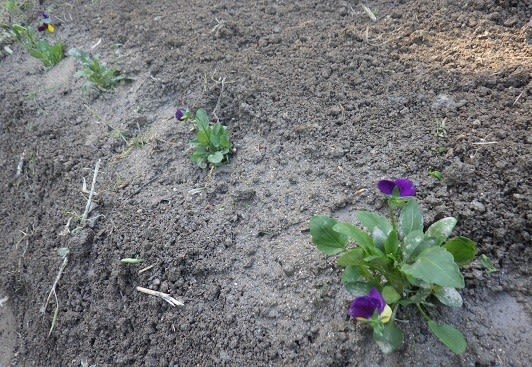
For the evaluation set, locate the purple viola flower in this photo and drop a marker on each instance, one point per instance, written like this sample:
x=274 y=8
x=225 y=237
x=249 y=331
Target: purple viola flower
x=363 y=308
x=405 y=186
x=181 y=114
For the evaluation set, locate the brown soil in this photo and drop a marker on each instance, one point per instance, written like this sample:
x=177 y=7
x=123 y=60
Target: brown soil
x=321 y=102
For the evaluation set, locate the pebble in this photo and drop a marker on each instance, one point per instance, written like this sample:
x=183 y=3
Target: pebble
x=478 y=206
x=289 y=269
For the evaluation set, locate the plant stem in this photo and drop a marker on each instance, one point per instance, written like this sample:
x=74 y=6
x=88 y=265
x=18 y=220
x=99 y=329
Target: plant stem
x=391 y=211
x=423 y=312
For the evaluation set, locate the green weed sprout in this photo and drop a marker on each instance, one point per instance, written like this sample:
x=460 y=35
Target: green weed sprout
x=211 y=144
x=396 y=263
x=48 y=53
x=98 y=76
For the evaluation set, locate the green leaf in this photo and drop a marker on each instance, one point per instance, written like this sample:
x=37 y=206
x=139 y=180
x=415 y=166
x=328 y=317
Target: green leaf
x=351 y=274
x=436 y=174
x=391 y=245
x=414 y=243
x=421 y=295
x=354 y=233
x=410 y=219
x=390 y=295
x=202 y=117
x=462 y=248
x=488 y=264
x=411 y=242
x=372 y=220
x=449 y=336
x=358 y=289
x=324 y=237
x=423 y=245
x=214 y=138
x=441 y=229
x=379 y=237
x=215 y=158
x=389 y=339
x=352 y=257
x=449 y=296
x=435 y=265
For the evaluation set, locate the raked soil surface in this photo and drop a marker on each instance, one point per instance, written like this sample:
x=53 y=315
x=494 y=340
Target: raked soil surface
x=321 y=102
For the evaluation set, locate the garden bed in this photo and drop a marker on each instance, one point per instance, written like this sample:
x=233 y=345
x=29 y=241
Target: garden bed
x=321 y=102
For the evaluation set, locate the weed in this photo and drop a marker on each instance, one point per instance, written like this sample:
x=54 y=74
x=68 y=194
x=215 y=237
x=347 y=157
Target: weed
x=136 y=142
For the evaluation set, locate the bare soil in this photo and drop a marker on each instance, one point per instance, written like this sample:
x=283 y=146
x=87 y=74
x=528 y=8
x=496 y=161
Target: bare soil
x=321 y=102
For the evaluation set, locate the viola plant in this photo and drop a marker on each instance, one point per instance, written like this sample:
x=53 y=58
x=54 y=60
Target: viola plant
x=48 y=53
x=98 y=76
x=212 y=144
x=394 y=263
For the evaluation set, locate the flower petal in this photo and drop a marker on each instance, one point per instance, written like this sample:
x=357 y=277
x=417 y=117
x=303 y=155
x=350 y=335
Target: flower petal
x=379 y=301
x=362 y=307
x=386 y=314
x=180 y=113
x=406 y=187
x=386 y=186
x=42 y=27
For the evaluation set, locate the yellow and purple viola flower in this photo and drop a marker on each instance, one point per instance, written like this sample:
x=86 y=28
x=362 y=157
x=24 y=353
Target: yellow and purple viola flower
x=404 y=186
x=363 y=308
x=46 y=23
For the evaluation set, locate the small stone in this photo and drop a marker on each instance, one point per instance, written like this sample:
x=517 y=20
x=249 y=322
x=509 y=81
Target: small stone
x=289 y=269
x=511 y=22
x=478 y=206
x=342 y=11
x=249 y=262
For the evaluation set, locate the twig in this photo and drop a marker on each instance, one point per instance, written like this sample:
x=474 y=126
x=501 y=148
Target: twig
x=172 y=301
x=369 y=13
x=91 y=193
x=519 y=96
x=146 y=268
x=52 y=290
x=218 y=26
x=20 y=164
x=485 y=142
x=3 y=300
x=222 y=82
x=96 y=44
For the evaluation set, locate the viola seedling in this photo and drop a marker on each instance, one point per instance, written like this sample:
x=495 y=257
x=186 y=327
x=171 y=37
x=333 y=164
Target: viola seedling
x=488 y=264
x=98 y=76
x=396 y=263
x=212 y=144
x=438 y=175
